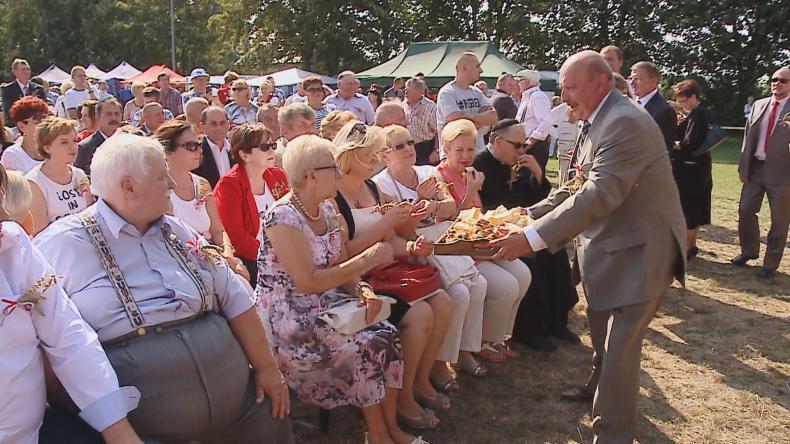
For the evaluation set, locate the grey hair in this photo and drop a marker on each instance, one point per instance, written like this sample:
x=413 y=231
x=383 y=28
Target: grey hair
x=417 y=83
x=385 y=110
x=305 y=153
x=122 y=155
x=288 y=113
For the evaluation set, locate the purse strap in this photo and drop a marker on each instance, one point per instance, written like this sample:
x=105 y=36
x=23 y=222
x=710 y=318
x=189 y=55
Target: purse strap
x=114 y=274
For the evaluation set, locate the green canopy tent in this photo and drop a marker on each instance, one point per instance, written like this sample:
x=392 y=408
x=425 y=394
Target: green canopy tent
x=437 y=61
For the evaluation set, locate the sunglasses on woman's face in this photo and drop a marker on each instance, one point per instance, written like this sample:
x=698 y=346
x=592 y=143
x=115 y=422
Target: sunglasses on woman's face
x=313 y=90
x=240 y=88
x=403 y=145
x=189 y=145
x=267 y=146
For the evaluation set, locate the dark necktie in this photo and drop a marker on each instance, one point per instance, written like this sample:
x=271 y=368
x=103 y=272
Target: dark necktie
x=579 y=142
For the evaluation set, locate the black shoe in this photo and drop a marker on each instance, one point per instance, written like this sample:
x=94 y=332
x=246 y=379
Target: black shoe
x=540 y=344
x=577 y=394
x=765 y=273
x=741 y=259
x=692 y=253
x=566 y=335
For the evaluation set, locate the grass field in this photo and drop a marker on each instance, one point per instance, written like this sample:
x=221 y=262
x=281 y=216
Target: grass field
x=715 y=368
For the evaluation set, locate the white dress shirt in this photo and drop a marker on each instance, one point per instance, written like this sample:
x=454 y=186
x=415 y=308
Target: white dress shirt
x=643 y=100
x=759 y=152
x=535 y=113
x=24 y=88
x=221 y=155
x=52 y=326
x=161 y=289
x=535 y=241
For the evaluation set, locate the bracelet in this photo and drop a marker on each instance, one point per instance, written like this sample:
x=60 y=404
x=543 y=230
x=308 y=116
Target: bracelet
x=361 y=285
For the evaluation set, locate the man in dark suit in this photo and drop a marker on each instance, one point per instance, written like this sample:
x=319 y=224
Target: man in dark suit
x=644 y=80
x=20 y=87
x=765 y=161
x=217 y=159
x=109 y=114
x=630 y=239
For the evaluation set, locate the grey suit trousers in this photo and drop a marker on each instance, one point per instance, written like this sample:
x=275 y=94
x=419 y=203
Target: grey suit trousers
x=751 y=201
x=617 y=336
x=196 y=385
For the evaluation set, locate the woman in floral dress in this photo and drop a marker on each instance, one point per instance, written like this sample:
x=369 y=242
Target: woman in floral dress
x=302 y=268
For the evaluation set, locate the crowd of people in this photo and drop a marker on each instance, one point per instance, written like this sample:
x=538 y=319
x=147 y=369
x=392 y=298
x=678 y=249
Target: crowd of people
x=227 y=224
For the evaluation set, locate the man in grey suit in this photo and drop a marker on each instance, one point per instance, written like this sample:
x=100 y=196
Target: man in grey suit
x=763 y=168
x=629 y=234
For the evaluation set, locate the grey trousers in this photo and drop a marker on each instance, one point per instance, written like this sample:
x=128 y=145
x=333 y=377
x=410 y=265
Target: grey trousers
x=749 y=227
x=196 y=385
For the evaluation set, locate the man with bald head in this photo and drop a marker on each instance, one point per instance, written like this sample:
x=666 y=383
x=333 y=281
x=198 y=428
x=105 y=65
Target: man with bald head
x=348 y=99
x=153 y=116
x=629 y=235
x=459 y=99
x=390 y=113
x=765 y=161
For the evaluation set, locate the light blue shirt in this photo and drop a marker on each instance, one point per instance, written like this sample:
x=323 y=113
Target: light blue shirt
x=138 y=116
x=162 y=290
x=51 y=326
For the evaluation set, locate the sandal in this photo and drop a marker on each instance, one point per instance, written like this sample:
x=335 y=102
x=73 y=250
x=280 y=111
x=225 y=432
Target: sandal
x=505 y=349
x=491 y=354
x=419 y=440
x=426 y=420
x=477 y=369
x=441 y=403
x=449 y=386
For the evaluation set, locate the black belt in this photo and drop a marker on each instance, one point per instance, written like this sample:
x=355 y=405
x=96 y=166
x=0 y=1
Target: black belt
x=142 y=331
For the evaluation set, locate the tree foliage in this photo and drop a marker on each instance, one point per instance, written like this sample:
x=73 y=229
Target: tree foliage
x=727 y=44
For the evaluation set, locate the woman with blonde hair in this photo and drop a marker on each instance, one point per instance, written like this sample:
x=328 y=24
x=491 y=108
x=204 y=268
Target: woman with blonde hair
x=18 y=198
x=241 y=110
x=59 y=188
x=422 y=325
x=333 y=122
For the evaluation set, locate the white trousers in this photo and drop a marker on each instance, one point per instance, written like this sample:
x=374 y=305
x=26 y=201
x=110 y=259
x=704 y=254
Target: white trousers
x=466 y=324
x=508 y=282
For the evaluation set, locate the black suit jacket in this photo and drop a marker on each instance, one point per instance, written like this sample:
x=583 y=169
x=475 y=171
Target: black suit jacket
x=11 y=93
x=208 y=167
x=496 y=191
x=85 y=150
x=665 y=117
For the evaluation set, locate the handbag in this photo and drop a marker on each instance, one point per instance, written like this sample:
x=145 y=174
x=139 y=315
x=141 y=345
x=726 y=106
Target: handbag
x=407 y=281
x=712 y=139
x=346 y=316
x=451 y=268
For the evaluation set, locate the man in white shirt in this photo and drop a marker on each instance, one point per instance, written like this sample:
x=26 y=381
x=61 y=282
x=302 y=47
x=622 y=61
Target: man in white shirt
x=535 y=113
x=348 y=99
x=217 y=159
x=300 y=96
x=79 y=93
x=460 y=100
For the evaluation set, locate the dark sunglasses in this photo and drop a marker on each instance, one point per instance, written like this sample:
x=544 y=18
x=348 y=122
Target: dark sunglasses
x=780 y=80
x=516 y=145
x=403 y=145
x=239 y=88
x=189 y=146
x=316 y=89
x=360 y=128
x=267 y=146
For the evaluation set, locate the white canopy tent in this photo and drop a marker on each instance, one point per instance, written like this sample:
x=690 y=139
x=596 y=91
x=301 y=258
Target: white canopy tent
x=220 y=80
x=54 y=74
x=123 y=71
x=290 y=77
x=93 y=72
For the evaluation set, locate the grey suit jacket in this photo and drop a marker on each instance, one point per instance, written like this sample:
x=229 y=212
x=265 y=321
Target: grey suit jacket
x=626 y=217
x=777 y=155
x=85 y=150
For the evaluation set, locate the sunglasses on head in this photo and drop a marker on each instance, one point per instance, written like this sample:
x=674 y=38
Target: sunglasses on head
x=779 y=80
x=403 y=145
x=267 y=146
x=189 y=146
x=360 y=128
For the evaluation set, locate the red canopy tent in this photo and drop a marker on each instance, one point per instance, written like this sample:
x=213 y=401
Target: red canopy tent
x=150 y=74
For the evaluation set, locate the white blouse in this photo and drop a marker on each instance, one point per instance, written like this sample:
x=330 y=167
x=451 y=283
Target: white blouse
x=193 y=211
x=15 y=158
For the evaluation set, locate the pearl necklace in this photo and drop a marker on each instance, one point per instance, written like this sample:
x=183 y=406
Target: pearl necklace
x=298 y=203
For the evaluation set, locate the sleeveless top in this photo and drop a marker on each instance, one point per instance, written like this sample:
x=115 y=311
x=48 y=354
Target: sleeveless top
x=62 y=200
x=263 y=202
x=194 y=212
x=349 y=214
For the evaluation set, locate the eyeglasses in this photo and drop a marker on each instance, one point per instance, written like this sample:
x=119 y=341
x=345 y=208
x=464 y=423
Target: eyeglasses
x=190 y=145
x=403 y=145
x=267 y=146
x=516 y=145
x=331 y=167
x=779 y=80
x=239 y=88
x=316 y=89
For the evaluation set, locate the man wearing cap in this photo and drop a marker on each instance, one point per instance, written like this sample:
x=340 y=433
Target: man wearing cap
x=502 y=99
x=348 y=99
x=459 y=99
x=535 y=113
x=199 y=79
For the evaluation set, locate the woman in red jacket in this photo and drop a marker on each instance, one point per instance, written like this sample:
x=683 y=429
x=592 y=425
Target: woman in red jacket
x=247 y=190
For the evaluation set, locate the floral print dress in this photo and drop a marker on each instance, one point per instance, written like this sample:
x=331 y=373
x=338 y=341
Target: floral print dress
x=323 y=366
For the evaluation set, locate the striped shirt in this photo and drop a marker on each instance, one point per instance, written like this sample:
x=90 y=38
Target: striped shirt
x=321 y=113
x=421 y=120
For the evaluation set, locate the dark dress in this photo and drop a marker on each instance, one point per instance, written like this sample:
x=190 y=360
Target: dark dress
x=693 y=174
x=551 y=295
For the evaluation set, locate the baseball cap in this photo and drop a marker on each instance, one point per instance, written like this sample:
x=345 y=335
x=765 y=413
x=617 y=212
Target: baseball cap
x=198 y=72
x=528 y=74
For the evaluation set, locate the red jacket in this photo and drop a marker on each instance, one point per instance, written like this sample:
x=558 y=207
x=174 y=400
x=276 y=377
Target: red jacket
x=237 y=209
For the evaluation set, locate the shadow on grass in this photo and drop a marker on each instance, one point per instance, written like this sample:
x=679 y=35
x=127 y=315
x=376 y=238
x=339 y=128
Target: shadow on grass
x=742 y=279
x=749 y=335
